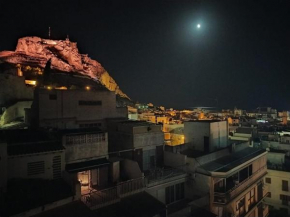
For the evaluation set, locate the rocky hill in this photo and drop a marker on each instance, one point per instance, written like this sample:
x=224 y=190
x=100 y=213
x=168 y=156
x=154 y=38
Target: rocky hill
x=65 y=57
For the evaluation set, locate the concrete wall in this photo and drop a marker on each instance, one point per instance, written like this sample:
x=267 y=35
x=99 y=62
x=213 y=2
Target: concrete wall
x=276 y=158
x=158 y=190
x=14 y=112
x=88 y=150
x=17 y=165
x=65 y=111
x=3 y=167
x=201 y=184
x=194 y=133
x=212 y=156
x=174 y=160
x=13 y=89
x=217 y=132
x=218 y=135
x=141 y=140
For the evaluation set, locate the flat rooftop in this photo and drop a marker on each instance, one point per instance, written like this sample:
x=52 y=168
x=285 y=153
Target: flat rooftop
x=231 y=161
x=205 y=121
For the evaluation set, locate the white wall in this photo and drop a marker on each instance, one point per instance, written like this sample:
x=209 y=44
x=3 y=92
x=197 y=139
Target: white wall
x=17 y=165
x=85 y=151
x=275 y=188
x=218 y=135
x=194 y=133
x=66 y=108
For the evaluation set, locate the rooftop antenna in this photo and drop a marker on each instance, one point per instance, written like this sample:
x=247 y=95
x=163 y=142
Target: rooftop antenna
x=49 y=32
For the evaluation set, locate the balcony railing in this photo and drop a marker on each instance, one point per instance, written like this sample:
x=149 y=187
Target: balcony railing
x=160 y=174
x=98 y=199
x=223 y=198
x=265 y=210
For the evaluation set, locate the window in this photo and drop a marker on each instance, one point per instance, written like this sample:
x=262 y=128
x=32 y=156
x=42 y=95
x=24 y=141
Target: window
x=268 y=180
x=174 y=193
x=284 y=185
x=240 y=207
x=284 y=199
x=251 y=200
x=90 y=103
x=269 y=194
x=179 y=191
x=35 y=168
x=52 y=96
x=169 y=194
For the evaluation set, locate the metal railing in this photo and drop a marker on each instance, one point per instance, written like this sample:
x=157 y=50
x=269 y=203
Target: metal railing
x=97 y=199
x=160 y=174
x=265 y=210
x=224 y=197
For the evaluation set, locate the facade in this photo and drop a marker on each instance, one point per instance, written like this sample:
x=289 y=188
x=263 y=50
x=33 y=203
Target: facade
x=137 y=140
x=235 y=183
x=69 y=109
x=277 y=181
x=207 y=135
x=86 y=156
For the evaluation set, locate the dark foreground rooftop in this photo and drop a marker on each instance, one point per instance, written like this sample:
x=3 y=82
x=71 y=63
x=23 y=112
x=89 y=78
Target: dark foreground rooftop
x=141 y=205
x=231 y=161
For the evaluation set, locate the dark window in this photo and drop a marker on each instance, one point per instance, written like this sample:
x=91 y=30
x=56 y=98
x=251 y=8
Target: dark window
x=250 y=170
x=90 y=103
x=269 y=194
x=169 y=194
x=284 y=185
x=251 y=200
x=284 y=199
x=179 y=191
x=52 y=96
x=241 y=207
x=268 y=180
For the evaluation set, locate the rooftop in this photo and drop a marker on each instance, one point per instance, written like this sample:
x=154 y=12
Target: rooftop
x=141 y=204
x=81 y=130
x=30 y=148
x=205 y=121
x=231 y=161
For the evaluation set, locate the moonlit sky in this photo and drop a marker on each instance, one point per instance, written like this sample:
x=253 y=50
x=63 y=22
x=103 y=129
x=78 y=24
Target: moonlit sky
x=240 y=55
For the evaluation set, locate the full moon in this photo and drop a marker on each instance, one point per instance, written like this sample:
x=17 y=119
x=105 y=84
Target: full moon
x=198 y=26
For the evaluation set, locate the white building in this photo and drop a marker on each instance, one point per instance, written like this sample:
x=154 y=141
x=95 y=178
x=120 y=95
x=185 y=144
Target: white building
x=206 y=135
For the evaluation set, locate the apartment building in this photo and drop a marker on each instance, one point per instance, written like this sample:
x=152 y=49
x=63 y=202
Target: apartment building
x=140 y=141
x=69 y=109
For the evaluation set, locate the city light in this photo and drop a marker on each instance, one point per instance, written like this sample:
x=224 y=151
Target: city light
x=88 y=87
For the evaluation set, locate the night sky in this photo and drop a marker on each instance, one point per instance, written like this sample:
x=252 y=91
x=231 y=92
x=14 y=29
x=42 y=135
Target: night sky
x=240 y=55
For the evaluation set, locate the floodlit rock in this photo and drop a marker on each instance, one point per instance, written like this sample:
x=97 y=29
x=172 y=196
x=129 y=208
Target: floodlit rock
x=64 y=55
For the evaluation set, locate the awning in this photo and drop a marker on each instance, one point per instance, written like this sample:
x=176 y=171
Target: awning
x=86 y=165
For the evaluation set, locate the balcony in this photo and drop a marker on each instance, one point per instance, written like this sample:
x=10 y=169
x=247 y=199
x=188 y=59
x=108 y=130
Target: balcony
x=161 y=175
x=265 y=210
x=224 y=197
x=98 y=199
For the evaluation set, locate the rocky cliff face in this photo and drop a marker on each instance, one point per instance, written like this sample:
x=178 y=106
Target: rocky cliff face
x=64 y=55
